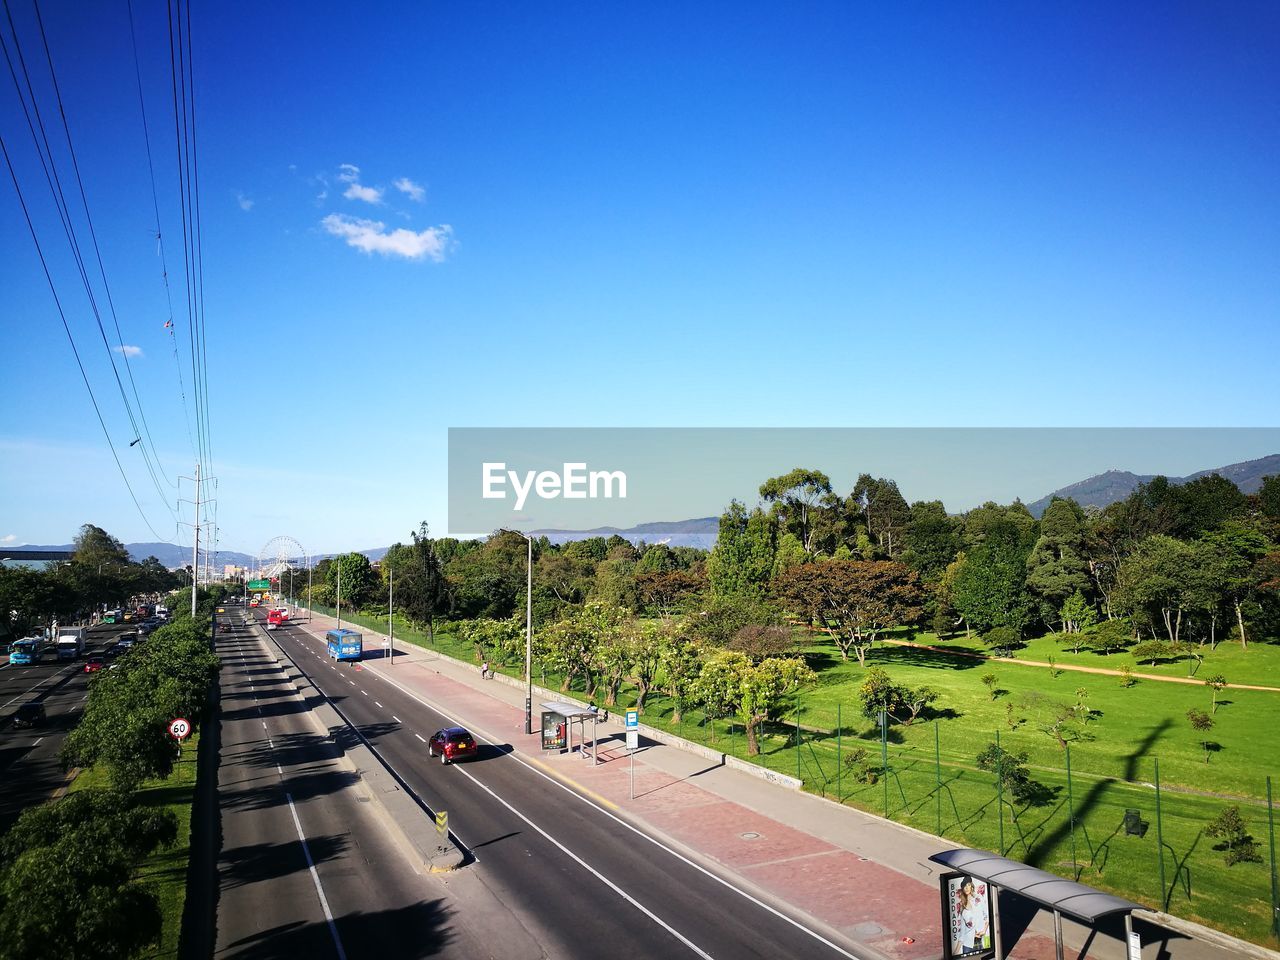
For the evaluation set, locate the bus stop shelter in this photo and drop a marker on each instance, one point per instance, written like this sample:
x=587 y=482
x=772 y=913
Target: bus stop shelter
x=565 y=715
x=1047 y=891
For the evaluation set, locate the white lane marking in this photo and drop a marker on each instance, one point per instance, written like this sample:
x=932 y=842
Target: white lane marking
x=365 y=692
x=352 y=682
x=419 y=736
x=396 y=719
x=594 y=872
x=315 y=878
x=37 y=743
x=623 y=823
x=264 y=724
x=378 y=705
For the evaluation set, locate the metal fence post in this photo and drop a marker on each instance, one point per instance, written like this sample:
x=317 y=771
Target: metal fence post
x=1164 y=902
x=937 y=773
x=798 y=776
x=1071 y=818
x=884 y=758
x=1271 y=838
x=840 y=758
x=1000 y=789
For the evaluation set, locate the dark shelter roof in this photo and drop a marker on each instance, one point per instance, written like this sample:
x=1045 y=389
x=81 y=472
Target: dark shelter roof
x=1066 y=896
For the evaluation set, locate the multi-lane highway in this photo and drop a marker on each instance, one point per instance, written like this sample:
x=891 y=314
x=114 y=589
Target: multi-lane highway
x=29 y=765
x=576 y=876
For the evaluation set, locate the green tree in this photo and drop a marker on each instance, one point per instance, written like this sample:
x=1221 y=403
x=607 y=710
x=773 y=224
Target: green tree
x=743 y=557
x=1217 y=683
x=667 y=591
x=1235 y=842
x=989 y=587
x=1201 y=723
x=1057 y=568
x=421 y=588
x=1153 y=582
x=854 y=601
x=1077 y=616
x=755 y=691
x=681 y=658
x=1011 y=770
x=356 y=585
x=932 y=540
x=646 y=642
x=68 y=878
x=795 y=497
x=884 y=514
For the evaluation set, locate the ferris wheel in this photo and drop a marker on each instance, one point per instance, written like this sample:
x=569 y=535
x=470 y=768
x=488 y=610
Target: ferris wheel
x=280 y=554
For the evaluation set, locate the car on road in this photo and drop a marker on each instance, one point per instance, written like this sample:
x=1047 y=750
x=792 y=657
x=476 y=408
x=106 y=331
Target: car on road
x=94 y=664
x=451 y=743
x=29 y=715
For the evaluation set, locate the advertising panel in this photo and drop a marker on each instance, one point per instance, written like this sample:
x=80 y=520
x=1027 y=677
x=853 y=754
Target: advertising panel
x=553 y=731
x=966 y=917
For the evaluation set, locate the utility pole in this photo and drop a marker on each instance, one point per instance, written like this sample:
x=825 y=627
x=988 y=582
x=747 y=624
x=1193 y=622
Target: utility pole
x=195 y=547
x=339 y=562
x=528 y=646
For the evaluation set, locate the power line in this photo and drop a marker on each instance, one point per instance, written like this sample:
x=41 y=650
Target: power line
x=71 y=340
x=155 y=203
x=49 y=166
x=93 y=235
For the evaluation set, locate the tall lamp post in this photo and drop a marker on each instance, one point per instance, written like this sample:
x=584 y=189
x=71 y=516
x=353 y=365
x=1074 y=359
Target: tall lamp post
x=528 y=645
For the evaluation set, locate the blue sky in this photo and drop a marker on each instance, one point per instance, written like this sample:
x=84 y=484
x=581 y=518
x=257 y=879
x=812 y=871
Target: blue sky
x=657 y=215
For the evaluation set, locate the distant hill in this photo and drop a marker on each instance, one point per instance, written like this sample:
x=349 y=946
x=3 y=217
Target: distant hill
x=700 y=533
x=1115 y=485
x=169 y=554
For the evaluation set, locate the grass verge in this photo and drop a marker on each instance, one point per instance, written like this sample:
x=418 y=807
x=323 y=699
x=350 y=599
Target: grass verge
x=165 y=871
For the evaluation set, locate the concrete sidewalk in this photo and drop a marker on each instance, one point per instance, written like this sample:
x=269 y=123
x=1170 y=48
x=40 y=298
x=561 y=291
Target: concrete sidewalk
x=860 y=875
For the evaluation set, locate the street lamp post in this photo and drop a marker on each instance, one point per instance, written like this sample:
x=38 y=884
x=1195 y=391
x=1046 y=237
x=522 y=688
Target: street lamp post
x=391 y=612
x=528 y=646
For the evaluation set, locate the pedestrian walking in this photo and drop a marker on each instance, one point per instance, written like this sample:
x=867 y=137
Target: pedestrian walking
x=484 y=670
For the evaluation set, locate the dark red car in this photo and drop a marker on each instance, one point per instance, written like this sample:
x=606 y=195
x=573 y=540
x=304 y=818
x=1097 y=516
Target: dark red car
x=94 y=664
x=451 y=743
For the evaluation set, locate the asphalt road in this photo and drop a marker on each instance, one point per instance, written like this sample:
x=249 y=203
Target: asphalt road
x=29 y=766
x=569 y=869
x=308 y=866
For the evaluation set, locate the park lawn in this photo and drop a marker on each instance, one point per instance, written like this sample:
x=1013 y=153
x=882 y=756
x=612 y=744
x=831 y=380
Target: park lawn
x=1259 y=663
x=165 y=871
x=1112 y=770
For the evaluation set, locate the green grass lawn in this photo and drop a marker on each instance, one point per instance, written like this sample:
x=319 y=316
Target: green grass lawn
x=1113 y=763
x=165 y=871
x=1259 y=663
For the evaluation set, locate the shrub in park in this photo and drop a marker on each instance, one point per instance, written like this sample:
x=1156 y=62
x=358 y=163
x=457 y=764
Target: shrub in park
x=1233 y=837
x=862 y=766
x=1217 y=683
x=1011 y=770
x=1002 y=641
x=1127 y=678
x=1202 y=723
x=989 y=680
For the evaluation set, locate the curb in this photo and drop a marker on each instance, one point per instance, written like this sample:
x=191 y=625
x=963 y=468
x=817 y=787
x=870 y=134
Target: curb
x=406 y=814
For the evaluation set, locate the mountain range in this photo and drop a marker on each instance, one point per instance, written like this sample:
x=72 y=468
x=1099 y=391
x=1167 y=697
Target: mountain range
x=1114 y=485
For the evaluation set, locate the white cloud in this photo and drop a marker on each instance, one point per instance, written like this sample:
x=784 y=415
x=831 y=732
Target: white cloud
x=9 y=539
x=348 y=172
x=359 y=192
x=128 y=350
x=414 y=191
x=322 y=196
x=245 y=203
x=372 y=236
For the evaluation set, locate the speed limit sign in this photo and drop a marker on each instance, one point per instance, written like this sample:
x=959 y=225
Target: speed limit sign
x=180 y=729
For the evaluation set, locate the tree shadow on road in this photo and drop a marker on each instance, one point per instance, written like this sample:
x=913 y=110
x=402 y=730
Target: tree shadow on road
x=403 y=933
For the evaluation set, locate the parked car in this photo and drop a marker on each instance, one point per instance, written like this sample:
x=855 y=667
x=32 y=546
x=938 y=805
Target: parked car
x=94 y=664
x=451 y=743
x=29 y=715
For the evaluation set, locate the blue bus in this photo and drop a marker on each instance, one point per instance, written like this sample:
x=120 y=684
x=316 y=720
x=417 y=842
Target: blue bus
x=24 y=652
x=344 y=644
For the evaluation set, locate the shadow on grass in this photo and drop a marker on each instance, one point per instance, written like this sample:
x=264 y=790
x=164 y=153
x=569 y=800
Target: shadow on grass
x=921 y=657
